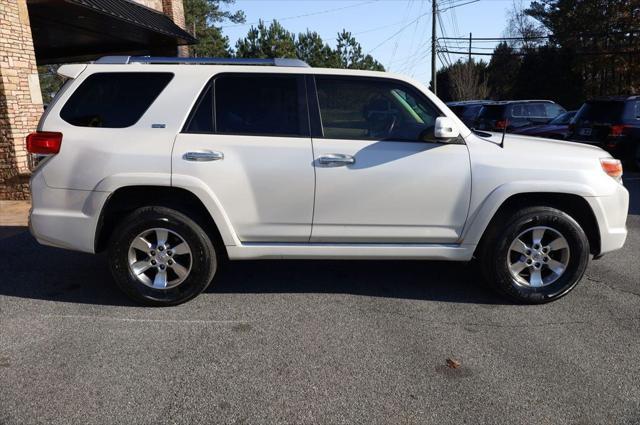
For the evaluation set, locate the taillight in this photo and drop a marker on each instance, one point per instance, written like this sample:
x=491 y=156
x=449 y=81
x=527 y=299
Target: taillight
x=617 y=130
x=500 y=125
x=44 y=142
x=613 y=167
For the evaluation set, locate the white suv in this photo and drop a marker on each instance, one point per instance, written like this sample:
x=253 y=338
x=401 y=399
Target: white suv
x=173 y=165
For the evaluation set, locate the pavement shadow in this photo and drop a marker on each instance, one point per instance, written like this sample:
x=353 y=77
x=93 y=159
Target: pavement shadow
x=29 y=270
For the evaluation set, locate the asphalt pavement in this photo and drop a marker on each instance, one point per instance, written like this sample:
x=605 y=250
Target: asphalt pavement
x=316 y=342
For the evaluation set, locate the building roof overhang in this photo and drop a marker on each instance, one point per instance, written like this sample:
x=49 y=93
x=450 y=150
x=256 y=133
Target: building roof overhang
x=81 y=30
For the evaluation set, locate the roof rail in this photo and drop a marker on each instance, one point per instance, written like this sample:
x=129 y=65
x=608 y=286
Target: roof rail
x=201 y=61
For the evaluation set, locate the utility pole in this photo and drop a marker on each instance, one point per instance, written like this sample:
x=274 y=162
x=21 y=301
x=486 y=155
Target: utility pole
x=470 y=36
x=434 y=13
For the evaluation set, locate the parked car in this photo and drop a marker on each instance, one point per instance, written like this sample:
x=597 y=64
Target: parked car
x=467 y=110
x=612 y=123
x=514 y=114
x=172 y=165
x=558 y=128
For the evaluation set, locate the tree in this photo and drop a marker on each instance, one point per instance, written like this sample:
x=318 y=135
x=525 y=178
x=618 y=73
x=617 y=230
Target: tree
x=201 y=17
x=503 y=71
x=520 y=25
x=468 y=80
x=274 y=41
x=350 y=54
x=50 y=82
x=311 y=49
x=267 y=42
x=604 y=36
x=463 y=81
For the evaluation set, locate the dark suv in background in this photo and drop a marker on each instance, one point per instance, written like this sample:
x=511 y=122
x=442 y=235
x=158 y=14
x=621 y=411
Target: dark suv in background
x=513 y=114
x=468 y=110
x=612 y=123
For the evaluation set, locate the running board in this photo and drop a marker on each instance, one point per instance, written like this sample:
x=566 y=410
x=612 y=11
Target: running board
x=324 y=251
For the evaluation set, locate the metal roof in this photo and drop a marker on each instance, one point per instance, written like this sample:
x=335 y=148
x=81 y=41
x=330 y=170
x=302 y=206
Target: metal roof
x=137 y=14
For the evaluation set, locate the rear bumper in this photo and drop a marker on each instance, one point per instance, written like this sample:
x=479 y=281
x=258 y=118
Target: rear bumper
x=611 y=215
x=64 y=218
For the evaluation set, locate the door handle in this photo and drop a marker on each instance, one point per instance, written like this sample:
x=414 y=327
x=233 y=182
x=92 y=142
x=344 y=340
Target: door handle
x=336 y=160
x=203 y=156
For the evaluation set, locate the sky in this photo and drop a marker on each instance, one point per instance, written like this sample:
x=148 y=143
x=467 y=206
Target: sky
x=395 y=32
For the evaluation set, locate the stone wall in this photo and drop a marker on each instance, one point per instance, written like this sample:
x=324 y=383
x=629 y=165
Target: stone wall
x=20 y=97
x=153 y=4
x=174 y=9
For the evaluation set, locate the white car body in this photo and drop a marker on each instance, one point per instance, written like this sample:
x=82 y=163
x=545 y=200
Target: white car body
x=268 y=198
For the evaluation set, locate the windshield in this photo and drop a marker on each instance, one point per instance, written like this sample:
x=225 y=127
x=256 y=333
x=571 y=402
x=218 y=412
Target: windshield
x=563 y=119
x=492 y=112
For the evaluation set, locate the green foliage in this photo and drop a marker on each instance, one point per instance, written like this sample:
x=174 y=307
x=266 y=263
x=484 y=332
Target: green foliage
x=50 y=82
x=503 y=70
x=311 y=49
x=603 y=37
x=274 y=41
x=201 y=17
x=267 y=42
x=350 y=54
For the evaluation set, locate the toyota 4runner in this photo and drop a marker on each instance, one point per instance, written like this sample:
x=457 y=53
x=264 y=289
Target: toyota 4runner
x=174 y=165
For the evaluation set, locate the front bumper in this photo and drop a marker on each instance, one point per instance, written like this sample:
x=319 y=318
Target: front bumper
x=611 y=215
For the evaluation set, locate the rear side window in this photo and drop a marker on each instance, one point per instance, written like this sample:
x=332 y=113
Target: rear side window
x=113 y=99
x=270 y=105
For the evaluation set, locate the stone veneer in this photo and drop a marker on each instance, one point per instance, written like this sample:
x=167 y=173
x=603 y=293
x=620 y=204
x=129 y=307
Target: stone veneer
x=20 y=97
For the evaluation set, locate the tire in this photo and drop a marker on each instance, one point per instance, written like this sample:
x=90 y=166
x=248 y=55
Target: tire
x=144 y=240
x=540 y=280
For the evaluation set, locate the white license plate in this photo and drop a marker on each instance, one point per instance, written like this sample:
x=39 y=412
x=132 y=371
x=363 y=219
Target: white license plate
x=585 y=132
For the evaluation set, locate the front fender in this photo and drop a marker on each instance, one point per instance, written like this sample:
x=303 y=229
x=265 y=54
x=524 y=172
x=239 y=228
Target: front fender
x=484 y=211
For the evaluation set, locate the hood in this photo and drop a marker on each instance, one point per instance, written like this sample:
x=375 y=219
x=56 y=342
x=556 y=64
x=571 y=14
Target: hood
x=538 y=145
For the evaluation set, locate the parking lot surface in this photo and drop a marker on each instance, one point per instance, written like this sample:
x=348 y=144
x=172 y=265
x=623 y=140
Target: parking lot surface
x=324 y=342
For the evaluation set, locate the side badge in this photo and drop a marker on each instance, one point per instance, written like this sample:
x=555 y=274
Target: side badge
x=158 y=125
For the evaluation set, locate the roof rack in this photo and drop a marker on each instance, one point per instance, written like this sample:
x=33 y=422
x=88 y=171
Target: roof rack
x=201 y=61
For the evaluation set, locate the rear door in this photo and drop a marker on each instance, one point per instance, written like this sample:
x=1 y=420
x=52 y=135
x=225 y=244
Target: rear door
x=381 y=177
x=248 y=140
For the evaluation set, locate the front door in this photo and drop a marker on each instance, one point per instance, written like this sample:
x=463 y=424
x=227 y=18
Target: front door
x=381 y=177
x=248 y=141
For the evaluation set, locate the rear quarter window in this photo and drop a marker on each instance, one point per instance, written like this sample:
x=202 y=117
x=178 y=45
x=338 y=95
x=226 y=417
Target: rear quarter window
x=113 y=99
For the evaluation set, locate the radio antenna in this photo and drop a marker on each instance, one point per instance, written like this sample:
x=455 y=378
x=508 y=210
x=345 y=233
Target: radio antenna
x=504 y=131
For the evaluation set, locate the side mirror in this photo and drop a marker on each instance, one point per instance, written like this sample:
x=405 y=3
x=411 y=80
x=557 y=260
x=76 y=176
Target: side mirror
x=445 y=128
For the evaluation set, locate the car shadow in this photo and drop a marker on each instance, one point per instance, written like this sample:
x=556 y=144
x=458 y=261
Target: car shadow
x=30 y=270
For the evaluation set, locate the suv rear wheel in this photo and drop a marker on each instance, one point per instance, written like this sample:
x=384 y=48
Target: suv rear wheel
x=161 y=257
x=538 y=256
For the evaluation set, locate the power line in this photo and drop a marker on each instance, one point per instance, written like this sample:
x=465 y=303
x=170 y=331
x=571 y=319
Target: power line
x=610 y=52
x=304 y=15
x=397 y=32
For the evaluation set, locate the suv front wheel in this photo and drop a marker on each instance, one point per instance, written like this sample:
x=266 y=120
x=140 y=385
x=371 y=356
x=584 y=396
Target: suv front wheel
x=538 y=256
x=161 y=257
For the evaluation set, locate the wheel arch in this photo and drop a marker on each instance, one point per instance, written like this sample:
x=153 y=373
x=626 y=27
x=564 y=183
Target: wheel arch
x=572 y=204
x=126 y=199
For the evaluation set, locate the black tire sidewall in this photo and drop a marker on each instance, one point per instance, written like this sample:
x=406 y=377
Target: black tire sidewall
x=578 y=258
x=203 y=258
